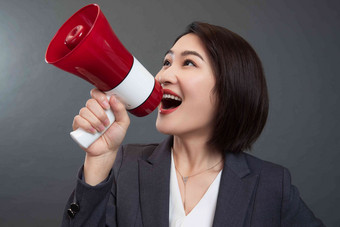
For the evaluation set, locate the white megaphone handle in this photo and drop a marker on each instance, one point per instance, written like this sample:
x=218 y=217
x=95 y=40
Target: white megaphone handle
x=84 y=138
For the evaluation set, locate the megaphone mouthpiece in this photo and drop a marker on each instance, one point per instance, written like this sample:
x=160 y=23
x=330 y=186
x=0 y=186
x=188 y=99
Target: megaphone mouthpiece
x=74 y=37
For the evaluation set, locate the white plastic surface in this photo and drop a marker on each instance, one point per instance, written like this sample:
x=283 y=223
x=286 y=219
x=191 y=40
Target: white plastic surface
x=135 y=88
x=84 y=138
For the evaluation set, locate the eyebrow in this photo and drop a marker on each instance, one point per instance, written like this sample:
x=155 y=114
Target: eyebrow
x=186 y=53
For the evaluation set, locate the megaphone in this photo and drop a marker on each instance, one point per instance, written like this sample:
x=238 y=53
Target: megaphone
x=86 y=46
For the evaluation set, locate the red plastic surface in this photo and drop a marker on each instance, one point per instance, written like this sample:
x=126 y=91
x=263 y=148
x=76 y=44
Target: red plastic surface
x=98 y=57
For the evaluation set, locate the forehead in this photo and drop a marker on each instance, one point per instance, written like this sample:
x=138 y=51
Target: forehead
x=189 y=42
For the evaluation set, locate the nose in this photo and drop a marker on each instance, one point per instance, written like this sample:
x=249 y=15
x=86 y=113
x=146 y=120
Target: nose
x=167 y=76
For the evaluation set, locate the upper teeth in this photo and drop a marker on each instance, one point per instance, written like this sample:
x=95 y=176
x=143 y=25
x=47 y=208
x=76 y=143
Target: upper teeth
x=168 y=96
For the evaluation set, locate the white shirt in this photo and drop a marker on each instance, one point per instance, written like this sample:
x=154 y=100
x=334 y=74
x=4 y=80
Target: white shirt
x=202 y=214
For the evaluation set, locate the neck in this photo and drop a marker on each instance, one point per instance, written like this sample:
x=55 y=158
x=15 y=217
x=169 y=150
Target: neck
x=194 y=154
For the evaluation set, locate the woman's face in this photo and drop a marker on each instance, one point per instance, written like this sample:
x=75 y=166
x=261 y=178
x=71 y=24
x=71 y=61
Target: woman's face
x=188 y=104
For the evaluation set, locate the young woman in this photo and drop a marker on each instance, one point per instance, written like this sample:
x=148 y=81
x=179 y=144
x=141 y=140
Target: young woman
x=214 y=107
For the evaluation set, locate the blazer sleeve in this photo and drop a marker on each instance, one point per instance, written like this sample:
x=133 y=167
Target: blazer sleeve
x=93 y=205
x=294 y=211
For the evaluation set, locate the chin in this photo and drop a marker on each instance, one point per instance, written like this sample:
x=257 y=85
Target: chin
x=163 y=128
x=160 y=128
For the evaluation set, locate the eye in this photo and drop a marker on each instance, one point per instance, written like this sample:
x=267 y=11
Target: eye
x=166 y=62
x=189 y=63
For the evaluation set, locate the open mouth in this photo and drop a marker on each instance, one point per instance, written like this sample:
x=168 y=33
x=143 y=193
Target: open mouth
x=170 y=101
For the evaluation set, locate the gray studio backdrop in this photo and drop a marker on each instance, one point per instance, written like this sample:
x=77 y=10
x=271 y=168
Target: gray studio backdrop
x=298 y=42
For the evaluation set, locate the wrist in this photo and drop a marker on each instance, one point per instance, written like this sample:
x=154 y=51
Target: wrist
x=97 y=168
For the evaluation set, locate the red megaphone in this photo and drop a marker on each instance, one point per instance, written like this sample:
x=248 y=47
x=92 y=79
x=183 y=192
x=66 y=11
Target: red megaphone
x=86 y=46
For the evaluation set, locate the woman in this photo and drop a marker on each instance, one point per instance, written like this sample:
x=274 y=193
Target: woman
x=214 y=107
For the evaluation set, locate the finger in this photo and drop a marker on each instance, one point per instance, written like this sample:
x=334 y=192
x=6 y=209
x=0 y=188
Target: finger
x=79 y=122
x=92 y=119
x=121 y=115
x=100 y=97
x=98 y=111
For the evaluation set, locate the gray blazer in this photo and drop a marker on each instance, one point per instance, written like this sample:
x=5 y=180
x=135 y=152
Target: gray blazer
x=252 y=192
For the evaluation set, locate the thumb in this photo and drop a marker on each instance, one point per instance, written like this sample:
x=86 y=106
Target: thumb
x=121 y=115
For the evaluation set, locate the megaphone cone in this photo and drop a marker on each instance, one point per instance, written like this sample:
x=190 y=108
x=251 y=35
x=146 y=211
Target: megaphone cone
x=86 y=46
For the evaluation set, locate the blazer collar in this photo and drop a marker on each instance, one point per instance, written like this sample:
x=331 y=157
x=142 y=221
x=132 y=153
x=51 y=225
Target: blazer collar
x=154 y=175
x=234 y=197
x=236 y=190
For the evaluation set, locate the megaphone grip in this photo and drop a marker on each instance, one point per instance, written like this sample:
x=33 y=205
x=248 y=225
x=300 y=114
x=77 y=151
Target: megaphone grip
x=85 y=139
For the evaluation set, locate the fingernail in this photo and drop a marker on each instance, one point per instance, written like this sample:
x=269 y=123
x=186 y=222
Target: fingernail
x=117 y=100
x=107 y=122
x=101 y=128
x=106 y=104
x=93 y=131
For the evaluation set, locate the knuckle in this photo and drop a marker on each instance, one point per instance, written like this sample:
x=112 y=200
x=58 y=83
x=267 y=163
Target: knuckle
x=102 y=116
x=121 y=107
x=102 y=98
x=90 y=103
x=76 y=120
x=92 y=92
x=97 y=94
x=82 y=111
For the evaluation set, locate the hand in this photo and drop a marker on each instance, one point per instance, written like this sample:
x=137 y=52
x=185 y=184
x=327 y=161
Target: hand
x=93 y=118
x=101 y=154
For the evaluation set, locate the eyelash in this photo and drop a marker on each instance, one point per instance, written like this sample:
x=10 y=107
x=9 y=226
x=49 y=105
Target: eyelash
x=166 y=62
x=186 y=62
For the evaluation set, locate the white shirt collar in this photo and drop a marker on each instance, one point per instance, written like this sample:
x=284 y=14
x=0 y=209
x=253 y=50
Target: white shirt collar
x=202 y=214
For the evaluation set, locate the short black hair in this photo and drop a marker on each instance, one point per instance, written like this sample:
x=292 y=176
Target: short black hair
x=241 y=89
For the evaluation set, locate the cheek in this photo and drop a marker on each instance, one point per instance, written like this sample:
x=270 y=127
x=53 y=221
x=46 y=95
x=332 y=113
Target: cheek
x=201 y=109
x=204 y=98
x=202 y=90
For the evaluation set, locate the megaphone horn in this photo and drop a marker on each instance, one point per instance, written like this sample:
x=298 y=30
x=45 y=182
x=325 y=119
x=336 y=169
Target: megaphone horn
x=86 y=46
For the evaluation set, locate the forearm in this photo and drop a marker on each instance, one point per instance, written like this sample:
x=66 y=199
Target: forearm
x=92 y=202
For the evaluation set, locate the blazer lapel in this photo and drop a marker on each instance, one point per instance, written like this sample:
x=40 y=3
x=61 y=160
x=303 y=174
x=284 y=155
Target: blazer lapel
x=155 y=185
x=235 y=192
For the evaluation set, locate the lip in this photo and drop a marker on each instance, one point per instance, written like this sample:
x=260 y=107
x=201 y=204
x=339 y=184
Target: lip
x=168 y=91
x=168 y=111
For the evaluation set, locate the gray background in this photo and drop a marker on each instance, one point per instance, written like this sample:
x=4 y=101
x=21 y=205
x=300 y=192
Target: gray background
x=298 y=42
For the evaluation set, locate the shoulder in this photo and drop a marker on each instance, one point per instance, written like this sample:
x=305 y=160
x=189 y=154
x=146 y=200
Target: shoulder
x=273 y=178
x=271 y=175
x=275 y=198
x=260 y=166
